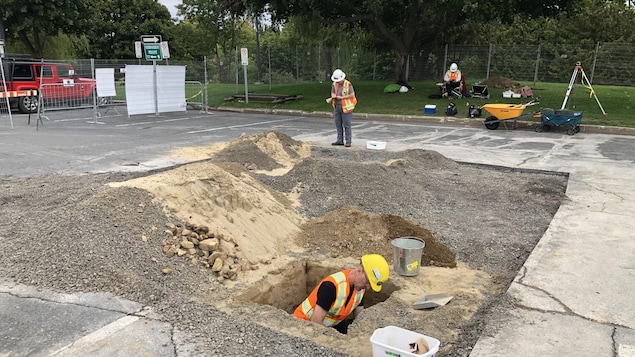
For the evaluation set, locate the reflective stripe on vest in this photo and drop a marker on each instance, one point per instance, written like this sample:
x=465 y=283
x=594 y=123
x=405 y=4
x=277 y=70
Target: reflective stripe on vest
x=339 y=310
x=348 y=104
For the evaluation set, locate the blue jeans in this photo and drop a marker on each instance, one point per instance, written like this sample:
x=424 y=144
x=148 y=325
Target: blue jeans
x=343 y=125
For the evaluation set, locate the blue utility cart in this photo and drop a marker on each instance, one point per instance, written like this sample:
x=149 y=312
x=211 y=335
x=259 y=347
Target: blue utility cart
x=564 y=117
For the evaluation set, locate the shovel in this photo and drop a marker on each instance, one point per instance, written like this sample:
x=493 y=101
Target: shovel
x=432 y=301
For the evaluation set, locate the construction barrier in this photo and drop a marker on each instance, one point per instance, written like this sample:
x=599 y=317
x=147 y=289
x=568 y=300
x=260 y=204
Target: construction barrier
x=69 y=95
x=5 y=103
x=195 y=95
x=5 y=109
x=18 y=93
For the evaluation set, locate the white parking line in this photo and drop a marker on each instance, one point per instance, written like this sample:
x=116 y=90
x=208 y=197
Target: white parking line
x=241 y=126
x=98 y=335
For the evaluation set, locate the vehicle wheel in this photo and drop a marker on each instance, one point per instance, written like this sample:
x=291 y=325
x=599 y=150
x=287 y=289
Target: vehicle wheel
x=539 y=129
x=577 y=129
x=491 y=123
x=571 y=131
x=546 y=128
x=28 y=105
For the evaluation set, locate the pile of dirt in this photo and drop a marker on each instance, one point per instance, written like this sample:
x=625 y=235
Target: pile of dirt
x=349 y=232
x=500 y=82
x=292 y=210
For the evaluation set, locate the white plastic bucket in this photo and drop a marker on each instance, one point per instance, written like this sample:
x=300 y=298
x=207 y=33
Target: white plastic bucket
x=395 y=341
x=407 y=252
x=376 y=145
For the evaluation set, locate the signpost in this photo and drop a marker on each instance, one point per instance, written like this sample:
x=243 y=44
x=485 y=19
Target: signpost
x=244 y=58
x=137 y=49
x=152 y=47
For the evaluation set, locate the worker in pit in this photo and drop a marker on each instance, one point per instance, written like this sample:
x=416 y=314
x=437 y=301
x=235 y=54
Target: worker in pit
x=337 y=299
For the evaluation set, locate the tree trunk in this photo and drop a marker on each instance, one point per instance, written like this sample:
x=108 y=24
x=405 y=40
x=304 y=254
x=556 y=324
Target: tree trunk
x=401 y=68
x=34 y=48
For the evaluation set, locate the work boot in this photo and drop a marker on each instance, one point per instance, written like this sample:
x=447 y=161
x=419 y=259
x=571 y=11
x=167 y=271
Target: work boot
x=348 y=145
x=337 y=143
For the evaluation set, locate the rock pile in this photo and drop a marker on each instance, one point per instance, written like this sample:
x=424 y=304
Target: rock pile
x=211 y=250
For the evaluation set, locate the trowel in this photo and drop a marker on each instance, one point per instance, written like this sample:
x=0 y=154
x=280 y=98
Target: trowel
x=432 y=300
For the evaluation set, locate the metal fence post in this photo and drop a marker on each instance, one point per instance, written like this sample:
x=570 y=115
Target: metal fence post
x=236 y=65
x=297 y=65
x=537 y=64
x=445 y=60
x=319 y=75
x=374 y=64
x=595 y=57
x=206 y=79
x=489 y=61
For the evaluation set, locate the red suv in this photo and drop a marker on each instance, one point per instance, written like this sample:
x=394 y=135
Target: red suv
x=55 y=81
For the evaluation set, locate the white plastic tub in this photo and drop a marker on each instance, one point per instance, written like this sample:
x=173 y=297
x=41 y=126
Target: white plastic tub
x=395 y=341
x=376 y=145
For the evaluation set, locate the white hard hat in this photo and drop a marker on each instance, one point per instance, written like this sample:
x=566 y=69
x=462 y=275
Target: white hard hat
x=338 y=75
x=453 y=67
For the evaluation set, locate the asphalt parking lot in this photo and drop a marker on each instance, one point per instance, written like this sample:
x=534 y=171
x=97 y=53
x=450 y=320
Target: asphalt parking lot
x=573 y=295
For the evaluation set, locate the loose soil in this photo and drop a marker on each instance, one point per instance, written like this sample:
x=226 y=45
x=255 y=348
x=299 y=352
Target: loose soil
x=286 y=214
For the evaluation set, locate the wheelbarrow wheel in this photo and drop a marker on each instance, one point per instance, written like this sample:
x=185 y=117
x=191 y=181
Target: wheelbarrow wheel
x=577 y=128
x=491 y=123
x=571 y=131
x=546 y=127
x=539 y=128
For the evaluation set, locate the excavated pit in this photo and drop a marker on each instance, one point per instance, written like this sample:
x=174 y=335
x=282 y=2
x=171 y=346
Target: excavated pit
x=287 y=214
x=287 y=290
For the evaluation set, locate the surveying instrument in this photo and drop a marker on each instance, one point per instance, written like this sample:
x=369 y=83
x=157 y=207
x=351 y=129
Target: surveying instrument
x=578 y=68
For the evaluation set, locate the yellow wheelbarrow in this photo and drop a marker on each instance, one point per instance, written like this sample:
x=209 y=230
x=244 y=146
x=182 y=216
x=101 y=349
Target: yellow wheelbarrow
x=501 y=113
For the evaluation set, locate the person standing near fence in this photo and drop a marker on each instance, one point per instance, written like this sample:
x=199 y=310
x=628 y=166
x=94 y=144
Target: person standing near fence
x=343 y=100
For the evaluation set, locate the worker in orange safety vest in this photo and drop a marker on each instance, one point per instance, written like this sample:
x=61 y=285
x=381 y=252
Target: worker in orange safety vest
x=338 y=297
x=343 y=101
x=452 y=79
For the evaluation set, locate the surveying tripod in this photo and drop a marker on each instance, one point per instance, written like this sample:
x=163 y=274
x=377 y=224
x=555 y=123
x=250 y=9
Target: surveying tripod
x=578 y=68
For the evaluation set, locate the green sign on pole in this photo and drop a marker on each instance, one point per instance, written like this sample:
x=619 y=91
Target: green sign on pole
x=153 y=51
x=152 y=47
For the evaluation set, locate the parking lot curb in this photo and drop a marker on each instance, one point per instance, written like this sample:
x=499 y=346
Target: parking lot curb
x=444 y=120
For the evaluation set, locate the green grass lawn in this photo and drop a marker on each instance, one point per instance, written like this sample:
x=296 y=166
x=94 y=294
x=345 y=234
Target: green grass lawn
x=616 y=101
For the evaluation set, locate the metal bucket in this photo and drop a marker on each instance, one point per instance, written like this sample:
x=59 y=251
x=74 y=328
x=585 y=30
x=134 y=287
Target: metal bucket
x=407 y=253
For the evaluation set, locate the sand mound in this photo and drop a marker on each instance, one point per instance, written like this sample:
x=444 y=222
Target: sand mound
x=239 y=207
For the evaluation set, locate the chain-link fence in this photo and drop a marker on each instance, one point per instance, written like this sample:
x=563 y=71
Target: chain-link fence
x=604 y=63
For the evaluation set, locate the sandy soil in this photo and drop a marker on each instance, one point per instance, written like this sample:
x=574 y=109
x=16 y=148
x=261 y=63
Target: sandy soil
x=295 y=213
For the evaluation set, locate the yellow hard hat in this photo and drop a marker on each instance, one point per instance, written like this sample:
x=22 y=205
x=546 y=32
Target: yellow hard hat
x=376 y=269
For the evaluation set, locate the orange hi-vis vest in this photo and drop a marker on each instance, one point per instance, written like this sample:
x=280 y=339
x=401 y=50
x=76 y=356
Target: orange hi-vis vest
x=348 y=104
x=454 y=75
x=339 y=310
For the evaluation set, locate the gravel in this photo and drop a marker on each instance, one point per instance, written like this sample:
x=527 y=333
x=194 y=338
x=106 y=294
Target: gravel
x=75 y=233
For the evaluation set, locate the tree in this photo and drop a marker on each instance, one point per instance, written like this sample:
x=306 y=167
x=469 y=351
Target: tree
x=397 y=24
x=223 y=28
x=34 y=22
x=117 y=24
